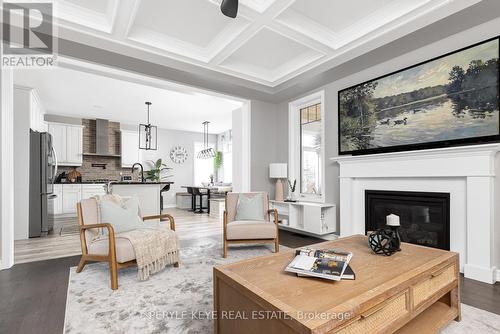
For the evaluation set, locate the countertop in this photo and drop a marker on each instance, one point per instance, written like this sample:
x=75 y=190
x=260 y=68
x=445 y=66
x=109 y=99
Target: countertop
x=140 y=183
x=118 y=183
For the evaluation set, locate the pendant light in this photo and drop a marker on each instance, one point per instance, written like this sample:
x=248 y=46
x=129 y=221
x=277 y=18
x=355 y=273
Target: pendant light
x=148 y=134
x=207 y=152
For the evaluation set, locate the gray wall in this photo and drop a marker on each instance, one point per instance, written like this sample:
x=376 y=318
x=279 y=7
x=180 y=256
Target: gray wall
x=266 y=134
x=463 y=39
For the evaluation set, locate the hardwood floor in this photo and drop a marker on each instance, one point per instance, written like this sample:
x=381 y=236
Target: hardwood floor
x=33 y=295
x=55 y=245
x=481 y=295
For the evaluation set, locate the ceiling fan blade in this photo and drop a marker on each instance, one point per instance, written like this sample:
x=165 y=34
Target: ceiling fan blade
x=229 y=8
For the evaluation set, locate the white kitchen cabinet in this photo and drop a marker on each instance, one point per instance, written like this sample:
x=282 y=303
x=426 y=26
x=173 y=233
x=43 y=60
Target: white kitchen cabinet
x=74 y=145
x=130 y=153
x=68 y=195
x=58 y=132
x=57 y=202
x=68 y=143
x=72 y=194
x=91 y=190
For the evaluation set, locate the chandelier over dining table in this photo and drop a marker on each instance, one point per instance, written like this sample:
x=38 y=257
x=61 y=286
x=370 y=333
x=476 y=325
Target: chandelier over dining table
x=206 y=152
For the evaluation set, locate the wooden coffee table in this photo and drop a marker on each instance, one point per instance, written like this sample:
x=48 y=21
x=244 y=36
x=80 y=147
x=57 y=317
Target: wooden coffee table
x=413 y=291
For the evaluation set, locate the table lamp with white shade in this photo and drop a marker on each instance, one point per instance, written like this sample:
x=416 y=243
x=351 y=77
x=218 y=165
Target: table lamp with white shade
x=278 y=171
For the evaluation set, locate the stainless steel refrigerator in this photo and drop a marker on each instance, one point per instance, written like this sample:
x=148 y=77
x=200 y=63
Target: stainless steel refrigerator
x=43 y=170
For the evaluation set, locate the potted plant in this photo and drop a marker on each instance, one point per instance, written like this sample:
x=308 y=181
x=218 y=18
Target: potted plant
x=218 y=161
x=155 y=173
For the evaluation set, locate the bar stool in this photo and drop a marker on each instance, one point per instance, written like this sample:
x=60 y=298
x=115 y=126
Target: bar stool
x=197 y=192
x=193 y=198
x=164 y=189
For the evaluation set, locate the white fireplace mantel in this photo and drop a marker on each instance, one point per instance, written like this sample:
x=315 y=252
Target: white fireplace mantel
x=467 y=173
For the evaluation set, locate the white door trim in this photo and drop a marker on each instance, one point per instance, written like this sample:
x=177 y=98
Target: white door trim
x=246 y=121
x=7 y=169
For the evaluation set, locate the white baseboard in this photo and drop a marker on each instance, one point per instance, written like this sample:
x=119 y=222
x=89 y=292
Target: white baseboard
x=483 y=274
x=4 y=266
x=497 y=275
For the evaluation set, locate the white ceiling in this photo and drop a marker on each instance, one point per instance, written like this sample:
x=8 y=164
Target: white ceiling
x=75 y=93
x=270 y=42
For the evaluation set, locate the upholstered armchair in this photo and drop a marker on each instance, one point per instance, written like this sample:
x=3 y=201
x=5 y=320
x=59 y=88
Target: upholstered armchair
x=249 y=231
x=118 y=252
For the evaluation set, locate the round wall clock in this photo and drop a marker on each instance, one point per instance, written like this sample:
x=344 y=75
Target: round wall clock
x=178 y=154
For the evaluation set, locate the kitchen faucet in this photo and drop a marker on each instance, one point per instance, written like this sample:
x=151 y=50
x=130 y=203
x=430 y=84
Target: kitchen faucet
x=142 y=170
x=108 y=187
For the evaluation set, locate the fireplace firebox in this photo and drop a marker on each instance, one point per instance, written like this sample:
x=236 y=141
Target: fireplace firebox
x=424 y=216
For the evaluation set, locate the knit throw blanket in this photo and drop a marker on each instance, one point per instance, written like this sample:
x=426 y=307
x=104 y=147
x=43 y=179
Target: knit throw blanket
x=155 y=248
x=155 y=244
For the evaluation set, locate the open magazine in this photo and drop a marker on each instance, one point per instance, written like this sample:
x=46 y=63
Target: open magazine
x=329 y=264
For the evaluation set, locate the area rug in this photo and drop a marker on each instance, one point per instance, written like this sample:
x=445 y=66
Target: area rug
x=179 y=300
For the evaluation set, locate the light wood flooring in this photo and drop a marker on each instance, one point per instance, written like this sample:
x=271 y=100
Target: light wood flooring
x=55 y=245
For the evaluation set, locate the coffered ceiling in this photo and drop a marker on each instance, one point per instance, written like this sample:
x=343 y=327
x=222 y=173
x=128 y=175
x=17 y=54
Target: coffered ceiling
x=270 y=42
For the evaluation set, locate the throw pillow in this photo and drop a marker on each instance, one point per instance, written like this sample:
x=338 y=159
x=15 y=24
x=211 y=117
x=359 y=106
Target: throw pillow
x=123 y=217
x=250 y=207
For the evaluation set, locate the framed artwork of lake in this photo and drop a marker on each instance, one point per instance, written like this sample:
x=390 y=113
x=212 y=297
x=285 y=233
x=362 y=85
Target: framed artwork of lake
x=449 y=100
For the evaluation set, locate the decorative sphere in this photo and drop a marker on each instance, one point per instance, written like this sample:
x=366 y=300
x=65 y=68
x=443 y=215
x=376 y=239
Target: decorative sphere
x=382 y=241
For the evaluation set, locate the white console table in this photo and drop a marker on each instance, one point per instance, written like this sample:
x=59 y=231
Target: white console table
x=316 y=219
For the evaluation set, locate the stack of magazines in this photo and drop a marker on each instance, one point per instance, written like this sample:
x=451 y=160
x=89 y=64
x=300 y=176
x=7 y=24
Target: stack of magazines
x=329 y=264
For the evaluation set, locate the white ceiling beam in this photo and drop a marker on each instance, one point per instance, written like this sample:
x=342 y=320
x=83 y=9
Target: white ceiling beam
x=258 y=22
x=300 y=37
x=310 y=29
x=115 y=25
x=125 y=16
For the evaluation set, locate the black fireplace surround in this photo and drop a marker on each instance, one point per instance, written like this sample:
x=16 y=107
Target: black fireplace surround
x=424 y=216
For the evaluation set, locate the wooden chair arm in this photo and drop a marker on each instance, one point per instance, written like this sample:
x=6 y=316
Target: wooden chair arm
x=111 y=236
x=275 y=212
x=162 y=218
x=224 y=225
x=104 y=225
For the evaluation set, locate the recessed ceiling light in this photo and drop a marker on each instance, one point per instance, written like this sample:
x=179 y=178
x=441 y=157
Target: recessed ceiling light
x=96 y=106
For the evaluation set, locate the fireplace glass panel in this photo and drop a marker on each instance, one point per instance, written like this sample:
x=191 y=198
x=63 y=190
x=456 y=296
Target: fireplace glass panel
x=424 y=217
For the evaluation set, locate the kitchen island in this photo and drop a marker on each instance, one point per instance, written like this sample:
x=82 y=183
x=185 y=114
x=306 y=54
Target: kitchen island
x=148 y=193
x=67 y=194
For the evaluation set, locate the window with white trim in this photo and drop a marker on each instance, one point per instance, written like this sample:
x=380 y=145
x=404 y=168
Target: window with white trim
x=310 y=150
x=306 y=147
